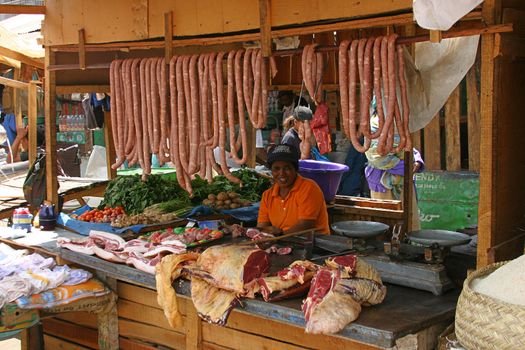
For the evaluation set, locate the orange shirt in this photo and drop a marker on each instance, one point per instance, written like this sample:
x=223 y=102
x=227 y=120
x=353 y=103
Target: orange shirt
x=305 y=201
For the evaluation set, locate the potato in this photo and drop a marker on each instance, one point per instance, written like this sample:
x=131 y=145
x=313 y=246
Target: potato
x=234 y=206
x=233 y=195
x=219 y=203
x=222 y=196
x=207 y=202
x=219 y=207
x=227 y=202
x=212 y=197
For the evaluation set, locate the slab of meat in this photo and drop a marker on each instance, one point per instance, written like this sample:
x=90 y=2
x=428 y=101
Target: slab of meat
x=107 y=240
x=230 y=267
x=279 y=250
x=327 y=310
x=164 y=249
x=351 y=266
x=107 y=254
x=256 y=235
x=364 y=291
x=168 y=270
x=212 y=304
x=140 y=262
x=289 y=282
x=83 y=246
x=137 y=245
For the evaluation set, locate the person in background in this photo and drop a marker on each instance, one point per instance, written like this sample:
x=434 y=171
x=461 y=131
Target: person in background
x=384 y=174
x=293 y=203
x=353 y=182
x=289 y=101
x=20 y=146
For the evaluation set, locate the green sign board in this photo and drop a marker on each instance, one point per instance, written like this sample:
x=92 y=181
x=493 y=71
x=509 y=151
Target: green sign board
x=447 y=200
x=72 y=137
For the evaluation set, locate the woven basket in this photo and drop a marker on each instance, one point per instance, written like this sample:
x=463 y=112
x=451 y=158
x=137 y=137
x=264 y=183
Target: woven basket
x=483 y=322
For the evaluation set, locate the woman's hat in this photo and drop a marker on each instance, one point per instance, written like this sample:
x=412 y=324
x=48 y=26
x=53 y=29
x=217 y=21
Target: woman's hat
x=285 y=153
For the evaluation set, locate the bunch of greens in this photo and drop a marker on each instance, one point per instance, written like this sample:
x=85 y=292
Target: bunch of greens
x=135 y=195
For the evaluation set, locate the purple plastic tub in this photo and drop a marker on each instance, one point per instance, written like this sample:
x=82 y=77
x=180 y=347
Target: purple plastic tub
x=326 y=174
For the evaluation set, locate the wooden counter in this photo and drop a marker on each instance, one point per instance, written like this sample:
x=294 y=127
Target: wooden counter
x=406 y=313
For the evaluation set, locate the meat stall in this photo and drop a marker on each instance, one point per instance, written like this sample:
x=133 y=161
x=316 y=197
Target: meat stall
x=84 y=60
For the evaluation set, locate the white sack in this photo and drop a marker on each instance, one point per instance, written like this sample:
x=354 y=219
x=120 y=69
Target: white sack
x=441 y=14
x=97 y=164
x=437 y=71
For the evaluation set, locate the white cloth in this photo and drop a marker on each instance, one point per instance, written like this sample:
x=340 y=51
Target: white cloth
x=97 y=164
x=441 y=14
x=259 y=143
x=436 y=72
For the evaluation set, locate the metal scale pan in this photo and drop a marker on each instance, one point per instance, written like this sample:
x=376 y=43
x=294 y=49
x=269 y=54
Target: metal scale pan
x=359 y=229
x=442 y=238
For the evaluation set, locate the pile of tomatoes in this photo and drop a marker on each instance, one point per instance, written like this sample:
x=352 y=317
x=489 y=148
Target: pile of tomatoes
x=105 y=215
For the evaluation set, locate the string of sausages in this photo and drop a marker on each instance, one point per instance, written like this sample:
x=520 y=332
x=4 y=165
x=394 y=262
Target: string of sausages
x=179 y=110
x=377 y=65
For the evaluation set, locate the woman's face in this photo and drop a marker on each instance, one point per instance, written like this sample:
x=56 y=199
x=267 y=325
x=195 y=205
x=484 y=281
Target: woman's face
x=284 y=174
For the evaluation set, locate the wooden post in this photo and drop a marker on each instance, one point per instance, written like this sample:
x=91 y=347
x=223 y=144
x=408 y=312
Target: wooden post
x=81 y=49
x=473 y=120
x=266 y=27
x=108 y=336
x=110 y=146
x=17 y=105
x=252 y=142
x=193 y=328
x=433 y=144
x=51 y=129
x=407 y=192
x=32 y=119
x=168 y=36
x=435 y=36
x=487 y=209
x=452 y=115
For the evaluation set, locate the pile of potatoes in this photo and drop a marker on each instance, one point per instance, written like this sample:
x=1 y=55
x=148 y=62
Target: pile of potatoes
x=225 y=201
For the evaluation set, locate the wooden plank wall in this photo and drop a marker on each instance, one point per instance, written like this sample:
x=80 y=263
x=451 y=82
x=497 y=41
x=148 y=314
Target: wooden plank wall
x=451 y=140
x=143 y=326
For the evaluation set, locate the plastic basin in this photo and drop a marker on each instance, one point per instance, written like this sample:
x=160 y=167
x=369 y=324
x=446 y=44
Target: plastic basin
x=326 y=174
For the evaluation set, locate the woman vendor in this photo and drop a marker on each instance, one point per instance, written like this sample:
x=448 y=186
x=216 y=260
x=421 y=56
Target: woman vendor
x=293 y=203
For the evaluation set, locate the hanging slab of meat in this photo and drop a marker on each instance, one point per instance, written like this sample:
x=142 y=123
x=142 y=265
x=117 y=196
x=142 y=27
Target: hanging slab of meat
x=231 y=267
x=212 y=304
x=107 y=240
x=168 y=270
x=327 y=310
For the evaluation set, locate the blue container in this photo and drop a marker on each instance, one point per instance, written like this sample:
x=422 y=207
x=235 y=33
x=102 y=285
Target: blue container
x=326 y=174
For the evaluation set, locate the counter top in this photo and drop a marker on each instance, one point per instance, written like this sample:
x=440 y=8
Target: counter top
x=404 y=310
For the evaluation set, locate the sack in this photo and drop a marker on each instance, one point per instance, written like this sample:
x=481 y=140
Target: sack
x=35 y=183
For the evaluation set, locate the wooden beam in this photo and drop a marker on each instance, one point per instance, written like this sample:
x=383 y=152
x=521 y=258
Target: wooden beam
x=265 y=18
x=71 y=89
x=452 y=115
x=473 y=116
x=81 y=49
x=30 y=61
x=193 y=329
x=32 y=104
x=168 y=36
x=51 y=130
x=23 y=9
x=14 y=83
x=433 y=144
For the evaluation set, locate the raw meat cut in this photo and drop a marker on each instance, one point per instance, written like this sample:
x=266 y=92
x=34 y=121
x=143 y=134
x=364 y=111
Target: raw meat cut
x=107 y=240
x=212 y=304
x=83 y=246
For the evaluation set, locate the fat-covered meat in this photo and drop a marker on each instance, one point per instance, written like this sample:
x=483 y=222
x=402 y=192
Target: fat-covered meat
x=107 y=240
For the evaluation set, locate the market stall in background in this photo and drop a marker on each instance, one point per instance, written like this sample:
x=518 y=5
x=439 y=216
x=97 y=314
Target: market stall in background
x=188 y=99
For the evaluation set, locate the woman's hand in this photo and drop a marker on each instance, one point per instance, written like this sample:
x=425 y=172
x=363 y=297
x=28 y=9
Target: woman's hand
x=276 y=231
